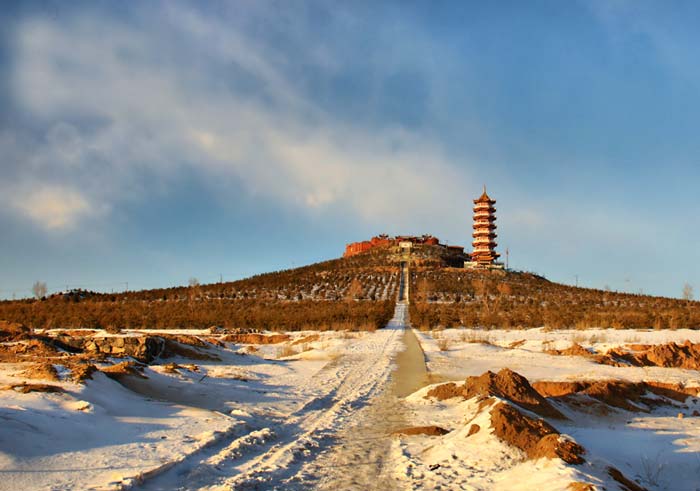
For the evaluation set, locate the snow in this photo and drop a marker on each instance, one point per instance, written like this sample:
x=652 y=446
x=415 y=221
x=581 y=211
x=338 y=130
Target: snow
x=216 y=424
x=320 y=413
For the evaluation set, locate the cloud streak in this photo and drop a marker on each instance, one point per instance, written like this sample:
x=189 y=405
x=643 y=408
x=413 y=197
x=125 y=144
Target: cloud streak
x=121 y=102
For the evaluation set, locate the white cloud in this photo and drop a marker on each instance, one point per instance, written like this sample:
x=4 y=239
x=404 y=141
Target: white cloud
x=54 y=208
x=161 y=115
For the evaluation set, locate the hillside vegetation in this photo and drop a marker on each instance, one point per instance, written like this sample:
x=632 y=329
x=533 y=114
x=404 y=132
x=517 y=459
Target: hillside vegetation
x=359 y=292
x=456 y=297
x=353 y=293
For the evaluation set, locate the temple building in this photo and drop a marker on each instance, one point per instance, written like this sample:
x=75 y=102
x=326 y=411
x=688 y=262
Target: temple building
x=484 y=253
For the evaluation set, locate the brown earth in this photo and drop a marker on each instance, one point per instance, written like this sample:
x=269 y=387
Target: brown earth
x=474 y=429
x=516 y=344
x=255 y=338
x=25 y=388
x=122 y=369
x=625 y=483
x=430 y=430
x=581 y=486
x=445 y=391
x=307 y=339
x=573 y=350
x=505 y=384
x=13 y=331
x=617 y=393
x=535 y=437
x=44 y=371
x=671 y=355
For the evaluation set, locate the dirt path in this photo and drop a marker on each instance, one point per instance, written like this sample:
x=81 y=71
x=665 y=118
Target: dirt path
x=361 y=457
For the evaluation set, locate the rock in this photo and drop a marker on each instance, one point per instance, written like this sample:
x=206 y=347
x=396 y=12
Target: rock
x=473 y=429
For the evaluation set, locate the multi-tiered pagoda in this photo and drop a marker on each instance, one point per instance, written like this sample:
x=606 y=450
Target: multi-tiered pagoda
x=484 y=253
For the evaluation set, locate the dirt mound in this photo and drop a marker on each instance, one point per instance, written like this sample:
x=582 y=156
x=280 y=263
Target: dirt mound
x=25 y=388
x=625 y=483
x=535 y=437
x=13 y=331
x=445 y=391
x=177 y=347
x=123 y=369
x=430 y=430
x=505 y=384
x=671 y=355
x=307 y=339
x=256 y=338
x=511 y=386
x=44 y=371
x=81 y=371
x=32 y=348
x=618 y=393
x=573 y=350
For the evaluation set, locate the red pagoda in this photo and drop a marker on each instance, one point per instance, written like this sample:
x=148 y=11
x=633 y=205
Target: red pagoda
x=484 y=244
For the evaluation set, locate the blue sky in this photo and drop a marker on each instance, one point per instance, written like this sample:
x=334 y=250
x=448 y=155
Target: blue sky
x=155 y=141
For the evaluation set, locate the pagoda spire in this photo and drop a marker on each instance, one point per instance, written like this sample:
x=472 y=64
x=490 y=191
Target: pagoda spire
x=484 y=244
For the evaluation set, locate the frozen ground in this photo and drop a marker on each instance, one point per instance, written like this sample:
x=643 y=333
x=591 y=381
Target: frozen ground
x=317 y=412
x=247 y=421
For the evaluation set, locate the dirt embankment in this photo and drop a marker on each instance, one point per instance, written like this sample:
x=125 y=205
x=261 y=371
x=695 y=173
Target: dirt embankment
x=506 y=384
x=631 y=396
x=670 y=355
x=256 y=338
x=535 y=437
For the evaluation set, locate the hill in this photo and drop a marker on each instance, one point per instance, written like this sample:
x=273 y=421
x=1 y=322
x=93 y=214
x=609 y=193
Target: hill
x=359 y=292
x=449 y=297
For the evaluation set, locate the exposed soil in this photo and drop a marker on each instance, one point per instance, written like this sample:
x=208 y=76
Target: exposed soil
x=430 y=430
x=307 y=339
x=617 y=393
x=25 y=388
x=43 y=371
x=505 y=384
x=535 y=437
x=581 y=486
x=625 y=483
x=255 y=338
x=123 y=369
x=13 y=331
x=671 y=355
x=474 y=429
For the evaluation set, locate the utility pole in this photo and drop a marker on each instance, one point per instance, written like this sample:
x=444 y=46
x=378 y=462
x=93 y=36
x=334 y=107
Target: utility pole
x=576 y=280
x=507 y=257
x=221 y=278
x=127 y=285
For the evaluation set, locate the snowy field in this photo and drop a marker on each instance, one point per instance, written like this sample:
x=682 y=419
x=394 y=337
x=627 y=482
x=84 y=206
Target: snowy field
x=249 y=420
x=319 y=411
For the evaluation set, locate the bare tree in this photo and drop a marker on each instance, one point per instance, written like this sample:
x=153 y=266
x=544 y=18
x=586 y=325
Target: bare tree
x=195 y=289
x=39 y=289
x=688 y=292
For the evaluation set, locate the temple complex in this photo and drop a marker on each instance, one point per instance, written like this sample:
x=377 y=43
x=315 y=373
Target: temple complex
x=484 y=245
x=400 y=240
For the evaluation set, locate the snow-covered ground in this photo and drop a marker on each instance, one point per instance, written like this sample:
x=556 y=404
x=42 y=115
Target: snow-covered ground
x=317 y=412
x=457 y=353
x=249 y=420
x=659 y=449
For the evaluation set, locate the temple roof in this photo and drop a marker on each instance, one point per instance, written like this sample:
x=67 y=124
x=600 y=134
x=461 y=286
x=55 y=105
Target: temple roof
x=484 y=198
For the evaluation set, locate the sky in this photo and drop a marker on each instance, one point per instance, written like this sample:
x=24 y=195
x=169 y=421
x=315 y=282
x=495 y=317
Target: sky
x=145 y=143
